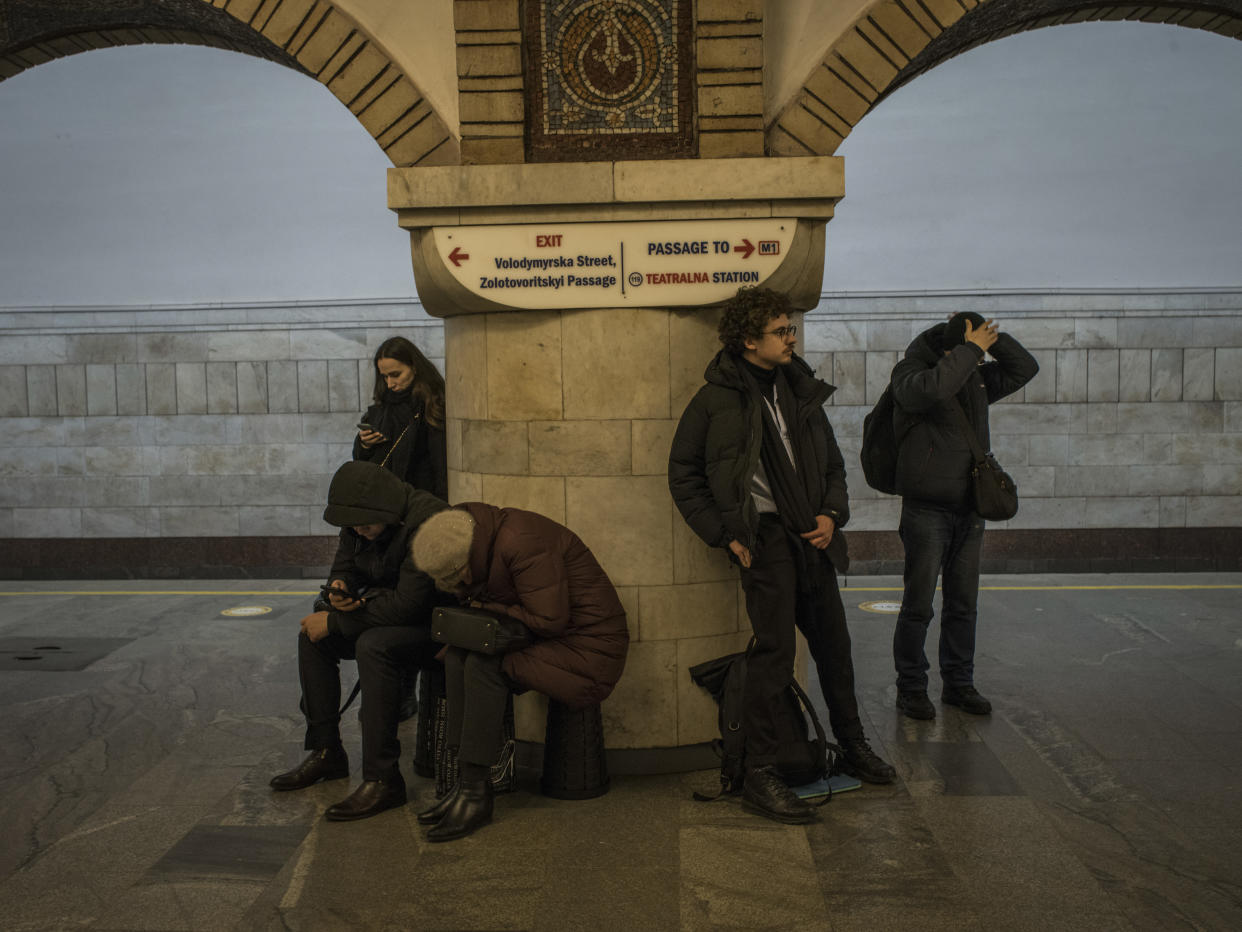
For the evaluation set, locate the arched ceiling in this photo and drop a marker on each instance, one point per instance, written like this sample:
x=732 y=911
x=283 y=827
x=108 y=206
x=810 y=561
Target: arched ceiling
x=311 y=36
x=996 y=19
x=894 y=41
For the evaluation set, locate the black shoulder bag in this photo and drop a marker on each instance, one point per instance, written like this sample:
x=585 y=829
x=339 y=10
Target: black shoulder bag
x=479 y=630
x=996 y=494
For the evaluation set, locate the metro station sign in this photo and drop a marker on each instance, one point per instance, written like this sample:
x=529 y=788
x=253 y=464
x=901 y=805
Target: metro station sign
x=677 y=263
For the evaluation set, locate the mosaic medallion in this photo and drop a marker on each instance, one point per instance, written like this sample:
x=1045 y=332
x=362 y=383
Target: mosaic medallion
x=613 y=79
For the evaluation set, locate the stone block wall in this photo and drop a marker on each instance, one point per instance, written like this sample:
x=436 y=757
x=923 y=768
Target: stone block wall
x=1134 y=421
x=185 y=422
x=190 y=428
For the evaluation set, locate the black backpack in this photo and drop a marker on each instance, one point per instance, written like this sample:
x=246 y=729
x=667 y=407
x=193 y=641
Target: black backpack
x=801 y=759
x=879 y=446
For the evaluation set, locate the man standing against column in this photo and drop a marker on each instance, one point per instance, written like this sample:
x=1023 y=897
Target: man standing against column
x=944 y=368
x=755 y=469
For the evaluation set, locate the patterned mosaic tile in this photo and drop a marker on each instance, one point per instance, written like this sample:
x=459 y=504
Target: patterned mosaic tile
x=614 y=79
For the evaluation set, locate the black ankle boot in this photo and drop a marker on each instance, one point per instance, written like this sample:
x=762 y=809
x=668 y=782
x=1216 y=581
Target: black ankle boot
x=370 y=798
x=321 y=764
x=470 y=810
x=433 y=815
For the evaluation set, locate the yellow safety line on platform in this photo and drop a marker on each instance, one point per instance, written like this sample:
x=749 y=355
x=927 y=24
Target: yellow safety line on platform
x=1058 y=588
x=237 y=592
x=163 y=592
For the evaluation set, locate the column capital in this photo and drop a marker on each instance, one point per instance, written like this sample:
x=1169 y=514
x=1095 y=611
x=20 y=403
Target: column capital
x=488 y=238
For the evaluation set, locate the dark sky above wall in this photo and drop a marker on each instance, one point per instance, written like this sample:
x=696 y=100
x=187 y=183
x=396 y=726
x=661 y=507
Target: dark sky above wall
x=1097 y=155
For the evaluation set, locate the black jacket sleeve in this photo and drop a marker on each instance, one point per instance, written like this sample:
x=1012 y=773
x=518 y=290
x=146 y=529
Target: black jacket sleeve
x=1012 y=368
x=409 y=603
x=836 y=492
x=438 y=453
x=917 y=388
x=687 y=475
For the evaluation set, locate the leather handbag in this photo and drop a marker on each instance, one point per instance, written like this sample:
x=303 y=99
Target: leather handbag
x=478 y=630
x=996 y=494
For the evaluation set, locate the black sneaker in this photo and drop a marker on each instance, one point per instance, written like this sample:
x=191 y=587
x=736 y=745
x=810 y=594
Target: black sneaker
x=863 y=763
x=915 y=704
x=765 y=793
x=967 y=699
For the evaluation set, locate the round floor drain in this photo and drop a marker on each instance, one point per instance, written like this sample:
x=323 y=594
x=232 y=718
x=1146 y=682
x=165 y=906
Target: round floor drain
x=881 y=607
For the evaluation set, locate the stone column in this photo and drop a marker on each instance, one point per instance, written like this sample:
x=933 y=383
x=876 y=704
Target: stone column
x=570 y=411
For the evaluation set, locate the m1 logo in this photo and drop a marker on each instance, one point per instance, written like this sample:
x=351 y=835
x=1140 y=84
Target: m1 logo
x=769 y=247
x=547 y=240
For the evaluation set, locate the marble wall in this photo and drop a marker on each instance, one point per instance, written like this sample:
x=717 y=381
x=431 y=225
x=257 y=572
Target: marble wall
x=227 y=421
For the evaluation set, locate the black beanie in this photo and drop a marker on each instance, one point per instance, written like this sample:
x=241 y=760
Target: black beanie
x=955 y=330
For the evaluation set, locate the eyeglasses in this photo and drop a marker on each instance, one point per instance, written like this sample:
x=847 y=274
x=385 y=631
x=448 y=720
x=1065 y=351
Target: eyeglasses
x=783 y=332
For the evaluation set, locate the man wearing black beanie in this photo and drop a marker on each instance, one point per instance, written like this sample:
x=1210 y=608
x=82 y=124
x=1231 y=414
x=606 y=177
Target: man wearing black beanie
x=943 y=536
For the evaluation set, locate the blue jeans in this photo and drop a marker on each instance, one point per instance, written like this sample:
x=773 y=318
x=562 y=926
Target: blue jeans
x=938 y=541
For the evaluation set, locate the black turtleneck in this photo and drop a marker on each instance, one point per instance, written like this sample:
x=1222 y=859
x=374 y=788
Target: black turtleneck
x=765 y=377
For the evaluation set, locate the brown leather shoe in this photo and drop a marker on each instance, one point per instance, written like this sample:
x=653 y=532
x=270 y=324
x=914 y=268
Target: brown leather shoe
x=321 y=764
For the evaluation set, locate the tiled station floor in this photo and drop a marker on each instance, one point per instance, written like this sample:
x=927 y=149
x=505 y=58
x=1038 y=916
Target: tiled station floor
x=1102 y=794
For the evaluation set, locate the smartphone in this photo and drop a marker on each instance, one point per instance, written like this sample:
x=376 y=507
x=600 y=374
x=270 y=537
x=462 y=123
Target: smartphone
x=363 y=425
x=337 y=590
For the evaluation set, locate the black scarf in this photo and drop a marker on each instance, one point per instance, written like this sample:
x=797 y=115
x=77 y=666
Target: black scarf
x=395 y=415
x=791 y=488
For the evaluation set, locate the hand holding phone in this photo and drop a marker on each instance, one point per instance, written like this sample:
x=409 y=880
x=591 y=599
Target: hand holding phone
x=369 y=435
x=339 y=596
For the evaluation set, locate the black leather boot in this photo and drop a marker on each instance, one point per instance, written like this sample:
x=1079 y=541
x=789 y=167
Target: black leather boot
x=371 y=798
x=469 y=811
x=433 y=815
x=321 y=764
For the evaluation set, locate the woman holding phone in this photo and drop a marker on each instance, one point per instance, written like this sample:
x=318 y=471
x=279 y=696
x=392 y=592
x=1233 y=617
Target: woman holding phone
x=403 y=429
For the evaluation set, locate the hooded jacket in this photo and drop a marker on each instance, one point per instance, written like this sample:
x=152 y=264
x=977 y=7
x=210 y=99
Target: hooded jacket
x=541 y=573
x=716 y=450
x=396 y=593
x=934 y=459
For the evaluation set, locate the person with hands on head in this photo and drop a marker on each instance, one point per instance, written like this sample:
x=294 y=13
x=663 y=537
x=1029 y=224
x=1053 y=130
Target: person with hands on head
x=942 y=535
x=377 y=612
x=524 y=565
x=755 y=468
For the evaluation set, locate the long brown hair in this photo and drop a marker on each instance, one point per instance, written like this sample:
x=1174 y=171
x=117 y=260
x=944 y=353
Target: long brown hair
x=428 y=383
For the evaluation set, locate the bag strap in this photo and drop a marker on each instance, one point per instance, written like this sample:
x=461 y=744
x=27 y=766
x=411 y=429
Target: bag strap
x=976 y=448
x=353 y=694
x=394 y=446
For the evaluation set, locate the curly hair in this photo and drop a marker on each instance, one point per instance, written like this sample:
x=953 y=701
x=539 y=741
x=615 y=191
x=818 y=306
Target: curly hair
x=747 y=314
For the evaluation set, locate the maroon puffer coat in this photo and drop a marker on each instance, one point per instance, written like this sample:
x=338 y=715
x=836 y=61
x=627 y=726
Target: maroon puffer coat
x=542 y=574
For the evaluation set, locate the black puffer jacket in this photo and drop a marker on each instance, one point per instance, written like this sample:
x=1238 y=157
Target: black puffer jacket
x=933 y=455
x=716 y=450
x=396 y=593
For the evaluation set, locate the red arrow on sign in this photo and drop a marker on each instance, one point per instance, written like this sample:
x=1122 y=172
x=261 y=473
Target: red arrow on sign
x=745 y=249
x=457 y=255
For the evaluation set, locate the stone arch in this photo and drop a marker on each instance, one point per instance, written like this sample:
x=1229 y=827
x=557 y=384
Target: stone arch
x=311 y=36
x=894 y=41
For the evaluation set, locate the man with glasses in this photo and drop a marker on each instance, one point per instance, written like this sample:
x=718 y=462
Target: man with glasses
x=755 y=469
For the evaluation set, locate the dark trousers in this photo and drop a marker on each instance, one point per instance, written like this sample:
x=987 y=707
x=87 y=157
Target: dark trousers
x=939 y=542
x=477 y=692
x=382 y=653
x=772 y=602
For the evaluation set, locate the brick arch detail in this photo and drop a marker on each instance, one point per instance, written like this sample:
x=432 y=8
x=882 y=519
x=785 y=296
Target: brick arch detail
x=894 y=41
x=312 y=36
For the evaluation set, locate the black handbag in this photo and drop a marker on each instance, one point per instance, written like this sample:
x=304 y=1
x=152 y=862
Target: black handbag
x=996 y=494
x=479 y=630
